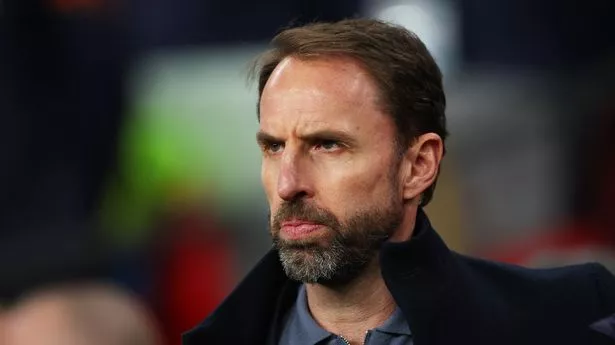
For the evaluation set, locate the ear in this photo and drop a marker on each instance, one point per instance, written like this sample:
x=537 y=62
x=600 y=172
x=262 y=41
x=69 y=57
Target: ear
x=420 y=165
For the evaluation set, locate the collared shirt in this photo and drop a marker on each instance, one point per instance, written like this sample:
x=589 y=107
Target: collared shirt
x=301 y=329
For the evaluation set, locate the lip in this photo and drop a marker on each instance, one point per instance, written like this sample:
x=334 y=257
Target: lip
x=296 y=229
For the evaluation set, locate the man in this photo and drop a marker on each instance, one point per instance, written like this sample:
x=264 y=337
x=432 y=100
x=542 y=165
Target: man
x=352 y=131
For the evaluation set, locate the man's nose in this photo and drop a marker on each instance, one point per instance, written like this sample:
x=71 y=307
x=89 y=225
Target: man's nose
x=293 y=179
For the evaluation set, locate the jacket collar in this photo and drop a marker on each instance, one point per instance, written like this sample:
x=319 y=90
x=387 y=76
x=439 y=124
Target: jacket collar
x=418 y=273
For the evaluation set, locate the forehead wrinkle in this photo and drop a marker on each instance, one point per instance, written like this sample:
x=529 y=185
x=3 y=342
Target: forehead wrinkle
x=309 y=127
x=333 y=104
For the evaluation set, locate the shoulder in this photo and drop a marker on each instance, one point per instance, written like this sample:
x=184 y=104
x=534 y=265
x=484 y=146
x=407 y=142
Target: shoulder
x=589 y=286
x=573 y=272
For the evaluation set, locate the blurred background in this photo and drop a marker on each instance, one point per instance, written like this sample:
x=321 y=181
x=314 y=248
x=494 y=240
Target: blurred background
x=130 y=177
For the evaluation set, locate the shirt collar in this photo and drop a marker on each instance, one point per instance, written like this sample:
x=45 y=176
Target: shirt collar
x=307 y=326
x=313 y=333
x=395 y=324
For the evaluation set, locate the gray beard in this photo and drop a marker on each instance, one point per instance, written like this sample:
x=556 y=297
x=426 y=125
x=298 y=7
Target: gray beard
x=334 y=265
x=346 y=256
x=354 y=244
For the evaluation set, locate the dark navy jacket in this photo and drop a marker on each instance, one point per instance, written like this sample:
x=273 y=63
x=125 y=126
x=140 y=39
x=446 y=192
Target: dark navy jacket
x=447 y=298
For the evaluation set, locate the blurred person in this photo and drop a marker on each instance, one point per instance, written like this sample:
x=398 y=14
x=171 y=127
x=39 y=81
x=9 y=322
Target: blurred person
x=80 y=314
x=61 y=108
x=352 y=132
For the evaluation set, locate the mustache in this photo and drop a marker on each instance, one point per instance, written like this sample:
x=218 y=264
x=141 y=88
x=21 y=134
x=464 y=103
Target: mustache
x=299 y=209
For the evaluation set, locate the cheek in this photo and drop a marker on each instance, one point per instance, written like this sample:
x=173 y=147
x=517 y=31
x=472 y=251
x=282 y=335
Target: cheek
x=269 y=178
x=356 y=184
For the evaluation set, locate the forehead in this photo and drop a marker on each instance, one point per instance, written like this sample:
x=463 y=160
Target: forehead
x=321 y=90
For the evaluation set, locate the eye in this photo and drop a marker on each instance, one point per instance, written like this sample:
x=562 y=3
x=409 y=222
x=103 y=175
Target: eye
x=275 y=147
x=272 y=148
x=328 y=145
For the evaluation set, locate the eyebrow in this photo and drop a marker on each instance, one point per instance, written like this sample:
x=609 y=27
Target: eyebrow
x=264 y=137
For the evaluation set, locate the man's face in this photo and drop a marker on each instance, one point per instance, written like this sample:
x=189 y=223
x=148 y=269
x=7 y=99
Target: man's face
x=329 y=168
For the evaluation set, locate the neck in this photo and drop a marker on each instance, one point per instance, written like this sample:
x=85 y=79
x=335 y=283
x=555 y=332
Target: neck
x=353 y=309
x=364 y=303
x=406 y=228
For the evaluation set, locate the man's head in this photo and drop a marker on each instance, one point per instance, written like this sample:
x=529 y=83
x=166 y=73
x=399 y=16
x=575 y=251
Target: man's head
x=79 y=314
x=351 y=127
